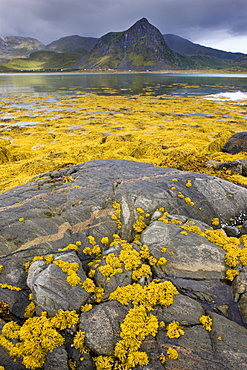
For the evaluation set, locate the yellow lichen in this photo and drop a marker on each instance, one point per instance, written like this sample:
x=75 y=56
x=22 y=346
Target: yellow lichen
x=162 y=358
x=36 y=337
x=174 y=330
x=105 y=240
x=86 y=307
x=189 y=201
x=30 y=310
x=172 y=353
x=78 y=342
x=148 y=296
x=230 y=274
x=215 y=221
x=206 y=322
x=9 y=286
x=103 y=362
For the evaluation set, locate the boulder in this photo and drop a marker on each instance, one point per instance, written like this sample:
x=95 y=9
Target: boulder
x=102 y=327
x=237 y=143
x=52 y=212
x=188 y=255
x=50 y=289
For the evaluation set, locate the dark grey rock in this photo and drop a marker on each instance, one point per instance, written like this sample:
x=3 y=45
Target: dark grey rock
x=240 y=292
x=57 y=359
x=229 y=341
x=190 y=256
x=233 y=166
x=183 y=309
x=50 y=289
x=102 y=327
x=237 y=143
x=55 y=216
x=231 y=231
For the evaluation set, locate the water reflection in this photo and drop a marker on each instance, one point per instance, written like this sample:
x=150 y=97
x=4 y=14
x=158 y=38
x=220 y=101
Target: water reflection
x=121 y=83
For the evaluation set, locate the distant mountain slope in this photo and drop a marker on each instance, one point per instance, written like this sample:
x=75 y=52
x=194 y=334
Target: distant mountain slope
x=16 y=46
x=141 y=47
x=72 y=44
x=188 y=48
x=44 y=60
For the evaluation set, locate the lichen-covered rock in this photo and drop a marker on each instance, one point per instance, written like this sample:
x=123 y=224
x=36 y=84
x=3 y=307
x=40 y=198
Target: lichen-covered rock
x=5 y=359
x=190 y=255
x=50 y=288
x=50 y=215
x=147 y=234
x=119 y=279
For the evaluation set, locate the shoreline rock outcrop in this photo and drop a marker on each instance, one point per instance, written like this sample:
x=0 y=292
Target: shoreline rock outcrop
x=119 y=263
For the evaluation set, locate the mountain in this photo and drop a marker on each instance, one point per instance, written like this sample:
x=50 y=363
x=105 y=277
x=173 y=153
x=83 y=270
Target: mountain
x=72 y=44
x=16 y=47
x=141 y=47
x=43 y=60
x=188 y=48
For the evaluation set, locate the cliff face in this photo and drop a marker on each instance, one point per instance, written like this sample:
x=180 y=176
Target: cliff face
x=141 y=47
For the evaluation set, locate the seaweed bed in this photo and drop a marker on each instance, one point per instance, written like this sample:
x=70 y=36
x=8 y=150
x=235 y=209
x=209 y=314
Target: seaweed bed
x=43 y=134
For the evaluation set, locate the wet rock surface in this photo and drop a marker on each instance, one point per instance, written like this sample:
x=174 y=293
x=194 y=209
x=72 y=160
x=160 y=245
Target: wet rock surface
x=170 y=211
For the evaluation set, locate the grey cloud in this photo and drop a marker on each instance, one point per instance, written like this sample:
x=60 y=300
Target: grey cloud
x=48 y=20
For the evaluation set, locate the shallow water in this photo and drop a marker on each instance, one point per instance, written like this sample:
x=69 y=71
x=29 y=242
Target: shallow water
x=186 y=84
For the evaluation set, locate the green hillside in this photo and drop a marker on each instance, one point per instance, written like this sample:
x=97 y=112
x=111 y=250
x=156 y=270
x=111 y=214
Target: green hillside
x=72 y=44
x=17 y=47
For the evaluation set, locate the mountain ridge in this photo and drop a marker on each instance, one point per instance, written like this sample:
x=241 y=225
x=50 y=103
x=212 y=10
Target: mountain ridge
x=189 y=48
x=141 y=47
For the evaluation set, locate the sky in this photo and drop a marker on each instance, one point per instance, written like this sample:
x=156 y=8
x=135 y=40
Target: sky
x=220 y=24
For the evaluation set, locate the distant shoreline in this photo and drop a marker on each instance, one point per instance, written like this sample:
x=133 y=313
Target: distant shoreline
x=192 y=71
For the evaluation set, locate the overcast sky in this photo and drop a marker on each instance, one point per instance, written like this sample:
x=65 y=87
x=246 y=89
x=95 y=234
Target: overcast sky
x=220 y=24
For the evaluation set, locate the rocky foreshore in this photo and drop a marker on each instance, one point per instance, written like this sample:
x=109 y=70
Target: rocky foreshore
x=116 y=264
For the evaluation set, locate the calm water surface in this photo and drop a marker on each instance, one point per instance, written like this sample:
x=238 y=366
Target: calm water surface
x=187 y=84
